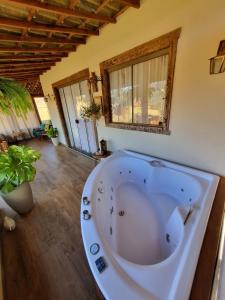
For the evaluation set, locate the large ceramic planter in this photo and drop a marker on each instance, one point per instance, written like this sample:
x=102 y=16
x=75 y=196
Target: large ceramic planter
x=20 y=199
x=55 y=141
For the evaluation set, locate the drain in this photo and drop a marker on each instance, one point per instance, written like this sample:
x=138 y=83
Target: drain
x=121 y=213
x=167 y=237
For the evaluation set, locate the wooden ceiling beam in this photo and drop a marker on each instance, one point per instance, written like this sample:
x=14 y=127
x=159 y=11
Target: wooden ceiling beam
x=27 y=74
x=28 y=66
x=31 y=39
x=21 y=68
x=49 y=28
x=30 y=16
x=102 y=5
x=35 y=50
x=22 y=74
x=18 y=70
x=23 y=78
x=110 y=5
x=24 y=63
x=73 y=3
x=63 y=11
x=31 y=57
x=132 y=3
x=61 y=18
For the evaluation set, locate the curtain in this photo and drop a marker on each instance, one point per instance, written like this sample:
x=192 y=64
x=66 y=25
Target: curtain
x=121 y=95
x=18 y=127
x=149 y=90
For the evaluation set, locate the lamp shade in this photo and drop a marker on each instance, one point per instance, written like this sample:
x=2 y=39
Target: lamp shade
x=217 y=64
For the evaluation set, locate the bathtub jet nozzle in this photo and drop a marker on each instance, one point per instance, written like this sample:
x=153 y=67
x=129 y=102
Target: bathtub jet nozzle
x=85 y=200
x=86 y=215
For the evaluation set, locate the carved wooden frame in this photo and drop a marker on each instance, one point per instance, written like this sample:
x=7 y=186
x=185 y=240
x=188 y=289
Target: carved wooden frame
x=140 y=53
x=79 y=76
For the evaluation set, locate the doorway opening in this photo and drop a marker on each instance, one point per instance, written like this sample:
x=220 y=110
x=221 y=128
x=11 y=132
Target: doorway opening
x=42 y=109
x=72 y=94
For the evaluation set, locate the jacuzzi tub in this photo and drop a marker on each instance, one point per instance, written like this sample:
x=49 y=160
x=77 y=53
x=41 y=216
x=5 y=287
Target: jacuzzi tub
x=147 y=221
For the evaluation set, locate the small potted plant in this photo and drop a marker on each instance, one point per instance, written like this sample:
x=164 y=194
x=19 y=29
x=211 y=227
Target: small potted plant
x=16 y=171
x=53 y=134
x=91 y=112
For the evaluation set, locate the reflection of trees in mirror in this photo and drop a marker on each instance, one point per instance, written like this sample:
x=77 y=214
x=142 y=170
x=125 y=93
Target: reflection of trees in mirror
x=14 y=98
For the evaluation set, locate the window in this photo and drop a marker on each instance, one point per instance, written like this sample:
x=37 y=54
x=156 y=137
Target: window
x=42 y=109
x=137 y=85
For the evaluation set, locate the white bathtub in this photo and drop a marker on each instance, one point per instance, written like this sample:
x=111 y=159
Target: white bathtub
x=148 y=218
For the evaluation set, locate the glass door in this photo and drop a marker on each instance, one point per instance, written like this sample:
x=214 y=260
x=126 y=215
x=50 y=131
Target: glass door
x=78 y=101
x=81 y=132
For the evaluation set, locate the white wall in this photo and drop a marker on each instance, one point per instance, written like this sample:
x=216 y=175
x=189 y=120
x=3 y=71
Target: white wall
x=197 y=120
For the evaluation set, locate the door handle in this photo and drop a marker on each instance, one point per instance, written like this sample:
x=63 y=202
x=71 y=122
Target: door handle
x=77 y=121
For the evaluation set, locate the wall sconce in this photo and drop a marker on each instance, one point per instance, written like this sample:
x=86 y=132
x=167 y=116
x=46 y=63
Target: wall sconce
x=46 y=98
x=217 y=63
x=93 y=82
x=49 y=97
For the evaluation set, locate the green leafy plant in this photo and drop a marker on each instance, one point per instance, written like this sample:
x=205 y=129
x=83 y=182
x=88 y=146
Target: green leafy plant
x=14 y=97
x=91 y=111
x=16 y=167
x=52 y=132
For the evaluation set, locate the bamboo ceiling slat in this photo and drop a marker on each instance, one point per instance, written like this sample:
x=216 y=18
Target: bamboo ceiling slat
x=39 y=33
x=13 y=57
x=40 y=40
x=62 y=11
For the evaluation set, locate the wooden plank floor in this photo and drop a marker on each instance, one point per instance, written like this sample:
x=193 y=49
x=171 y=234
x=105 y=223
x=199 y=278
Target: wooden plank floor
x=43 y=259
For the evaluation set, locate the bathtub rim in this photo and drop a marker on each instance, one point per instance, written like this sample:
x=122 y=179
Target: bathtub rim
x=208 y=176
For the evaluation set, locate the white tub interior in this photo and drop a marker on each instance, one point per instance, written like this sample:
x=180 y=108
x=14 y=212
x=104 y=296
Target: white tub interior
x=149 y=222
x=139 y=208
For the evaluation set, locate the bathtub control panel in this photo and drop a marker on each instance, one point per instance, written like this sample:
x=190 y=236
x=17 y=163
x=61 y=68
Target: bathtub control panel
x=94 y=249
x=101 y=264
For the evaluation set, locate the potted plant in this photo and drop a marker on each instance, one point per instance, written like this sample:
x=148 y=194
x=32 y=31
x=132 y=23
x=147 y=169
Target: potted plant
x=91 y=112
x=14 y=98
x=16 y=171
x=53 y=134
